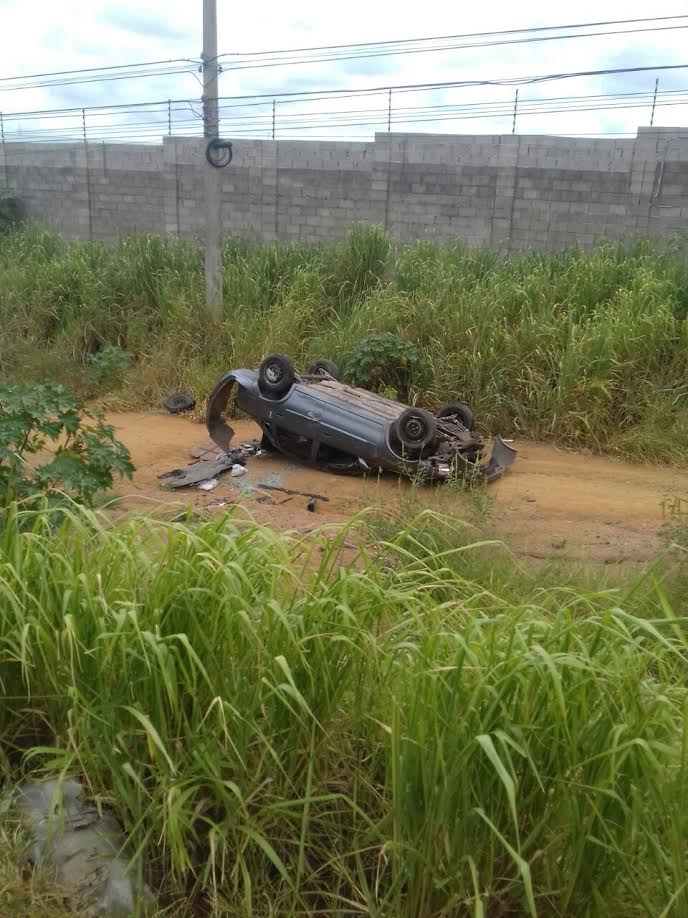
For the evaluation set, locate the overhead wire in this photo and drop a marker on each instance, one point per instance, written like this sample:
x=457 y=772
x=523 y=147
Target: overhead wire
x=451 y=84
x=642 y=98
x=138 y=64
x=251 y=64
x=235 y=117
x=351 y=51
x=403 y=41
x=298 y=95
x=79 y=81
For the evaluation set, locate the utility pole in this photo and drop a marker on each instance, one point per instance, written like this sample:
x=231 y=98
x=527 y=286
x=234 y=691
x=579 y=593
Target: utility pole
x=213 y=182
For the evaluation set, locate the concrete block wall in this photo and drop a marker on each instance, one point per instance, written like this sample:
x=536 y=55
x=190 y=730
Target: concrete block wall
x=512 y=191
x=96 y=191
x=321 y=188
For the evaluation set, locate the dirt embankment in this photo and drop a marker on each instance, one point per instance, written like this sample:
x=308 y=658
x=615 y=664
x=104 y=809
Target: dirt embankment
x=552 y=503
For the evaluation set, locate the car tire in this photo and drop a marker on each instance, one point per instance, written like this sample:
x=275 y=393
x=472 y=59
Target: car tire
x=323 y=367
x=415 y=429
x=458 y=410
x=275 y=375
x=175 y=404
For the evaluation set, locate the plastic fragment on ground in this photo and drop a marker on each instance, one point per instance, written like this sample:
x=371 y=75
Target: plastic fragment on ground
x=208 y=485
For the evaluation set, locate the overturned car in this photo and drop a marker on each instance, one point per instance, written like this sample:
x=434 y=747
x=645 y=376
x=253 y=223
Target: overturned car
x=314 y=418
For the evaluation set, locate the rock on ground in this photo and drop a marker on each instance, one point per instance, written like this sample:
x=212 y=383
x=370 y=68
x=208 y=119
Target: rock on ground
x=84 y=849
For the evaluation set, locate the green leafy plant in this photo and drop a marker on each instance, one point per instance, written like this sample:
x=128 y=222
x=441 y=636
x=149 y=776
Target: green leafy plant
x=385 y=363
x=82 y=453
x=107 y=366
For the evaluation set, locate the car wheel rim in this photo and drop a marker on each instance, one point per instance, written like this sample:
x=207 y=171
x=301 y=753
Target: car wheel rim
x=273 y=374
x=414 y=429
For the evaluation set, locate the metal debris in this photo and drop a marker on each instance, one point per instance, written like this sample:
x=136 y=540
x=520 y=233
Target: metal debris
x=203 y=470
x=194 y=474
x=272 y=487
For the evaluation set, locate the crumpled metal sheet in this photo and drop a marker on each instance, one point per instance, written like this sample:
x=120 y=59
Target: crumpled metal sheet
x=193 y=474
x=203 y=471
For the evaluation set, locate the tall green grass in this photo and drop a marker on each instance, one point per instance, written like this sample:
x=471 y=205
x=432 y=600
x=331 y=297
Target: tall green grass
x=586 y=348
x=281 y=735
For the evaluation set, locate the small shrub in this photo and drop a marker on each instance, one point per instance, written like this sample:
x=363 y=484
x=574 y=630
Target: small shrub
x=107 y=365
x=84 y=455
x=385 y=363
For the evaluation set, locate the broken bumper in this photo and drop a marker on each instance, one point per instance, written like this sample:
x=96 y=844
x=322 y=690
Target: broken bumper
x=502 y=458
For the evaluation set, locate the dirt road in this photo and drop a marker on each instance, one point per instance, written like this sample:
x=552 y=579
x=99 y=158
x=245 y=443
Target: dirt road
x=552 y=503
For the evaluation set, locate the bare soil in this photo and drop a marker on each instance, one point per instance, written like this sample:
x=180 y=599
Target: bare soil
x=552 y=503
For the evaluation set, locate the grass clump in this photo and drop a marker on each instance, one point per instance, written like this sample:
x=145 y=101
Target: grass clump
x=23 y=893
x=391 y=738
x=584 y=348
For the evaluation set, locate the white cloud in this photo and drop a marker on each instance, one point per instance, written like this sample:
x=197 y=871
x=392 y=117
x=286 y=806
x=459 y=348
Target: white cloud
x=46 y=36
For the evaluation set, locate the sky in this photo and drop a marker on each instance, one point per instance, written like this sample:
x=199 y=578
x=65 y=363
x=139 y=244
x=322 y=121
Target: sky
x=47 y=35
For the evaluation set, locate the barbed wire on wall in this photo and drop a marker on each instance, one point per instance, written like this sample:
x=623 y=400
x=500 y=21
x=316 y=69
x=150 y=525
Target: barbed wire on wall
x=309 y=114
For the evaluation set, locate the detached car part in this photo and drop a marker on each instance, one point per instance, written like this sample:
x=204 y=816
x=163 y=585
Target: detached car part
x=175 y=404
x=314 y=418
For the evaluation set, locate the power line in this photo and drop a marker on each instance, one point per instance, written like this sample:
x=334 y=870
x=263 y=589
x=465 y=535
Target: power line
x=297 y=95
x=79 y=81
x=401 y=41
x=238 y=114
x=451 y=84
x=249 y=64
x=641 y=95
x=139 y=64
x=92 y=109
x=353 y=51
